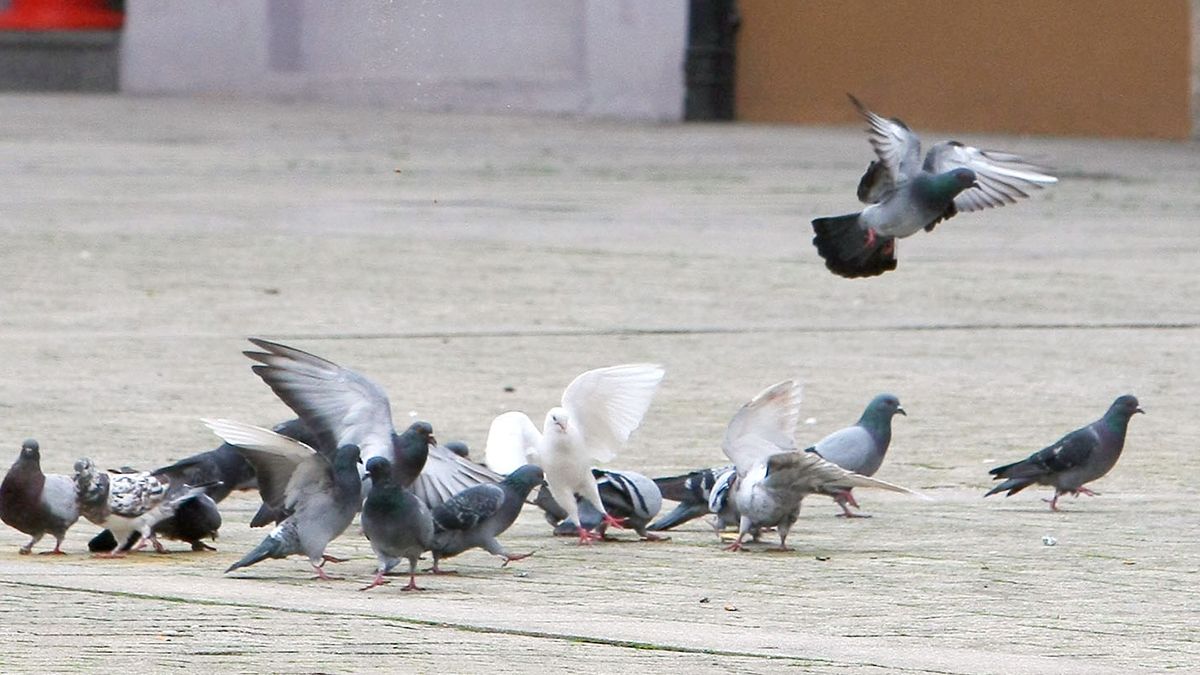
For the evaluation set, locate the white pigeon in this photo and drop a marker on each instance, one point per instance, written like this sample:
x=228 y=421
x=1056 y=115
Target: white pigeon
x=600 y=410
x=772 y=475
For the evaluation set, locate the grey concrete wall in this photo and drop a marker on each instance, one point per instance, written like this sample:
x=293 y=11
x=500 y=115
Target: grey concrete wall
x=618 y=58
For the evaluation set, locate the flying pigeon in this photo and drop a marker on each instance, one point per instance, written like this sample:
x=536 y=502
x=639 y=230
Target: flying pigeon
x=194 y=521
x=860 y=448
x=599 y=411
x=699 y=493
x=125 y=503
x=905 y=195
x=772 y=476
x=319 y=493
x=476 y=516
x=341 y=407
x=627 y=496
x=397 y=523
x=1080 y=457
x=35 y=503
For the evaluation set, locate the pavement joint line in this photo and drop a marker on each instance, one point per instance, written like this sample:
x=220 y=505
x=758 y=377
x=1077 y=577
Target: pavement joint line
x=486 y=630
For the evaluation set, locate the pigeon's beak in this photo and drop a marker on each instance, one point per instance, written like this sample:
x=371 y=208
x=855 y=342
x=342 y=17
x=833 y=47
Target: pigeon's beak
x=1140 y=410
x=975 y=184
x=900 y=409
x=432 y=440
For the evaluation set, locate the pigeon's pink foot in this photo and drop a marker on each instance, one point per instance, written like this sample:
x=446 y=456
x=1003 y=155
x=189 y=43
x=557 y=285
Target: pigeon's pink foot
x=1053 y=503
x=437 y=570
x=158 y=547
x=514 y=556
x=321 y=572
x=650 y=536
x=56 y=551
x=412 y=584
x=735 y=546
x=328 y=558
x=379 y=581
x=847 y=513
x=870 y=240
x=614 y=522
x=111 y=554
x=1084 y=491
x=587 y=536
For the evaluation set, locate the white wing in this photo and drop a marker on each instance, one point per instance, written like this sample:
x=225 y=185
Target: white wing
x=898 y=148
x=606 y=405
x=764 y=426
x=512 y=442
x=1003 y=177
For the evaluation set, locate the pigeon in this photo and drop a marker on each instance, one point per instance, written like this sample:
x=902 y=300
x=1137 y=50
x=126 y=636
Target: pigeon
x=397 y=523
x=35 y=503
x=905 y=195
x=125 y=503
x=772 y=476
x=860 y=448
x=194 y=521
x=699 y=493
x=627 y=496
x=476 y=516
x=341 y=407
x=600 y=410
x=459 y=448
x=319 y=493
x=1080 y=457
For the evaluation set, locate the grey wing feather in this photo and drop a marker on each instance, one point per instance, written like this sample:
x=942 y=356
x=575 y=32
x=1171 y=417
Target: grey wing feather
x=807 y=472
x=447 y=474
x=898 y=148
x=1003 y=177
x=468 y=508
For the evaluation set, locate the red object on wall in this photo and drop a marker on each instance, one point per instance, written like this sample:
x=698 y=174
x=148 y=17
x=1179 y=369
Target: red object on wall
x=34 y=15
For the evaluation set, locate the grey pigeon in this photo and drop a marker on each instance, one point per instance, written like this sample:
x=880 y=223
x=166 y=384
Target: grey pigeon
x=627 y=496
x=1080 y=457
x=860 y=448
x=905 y=195
x=125 y=503
x=474 y=517
x=699 y=493
x=459 y=448
x=35 y=503
x=772 y=476
x=320 y=493
x=342 y=407
x=397 y=523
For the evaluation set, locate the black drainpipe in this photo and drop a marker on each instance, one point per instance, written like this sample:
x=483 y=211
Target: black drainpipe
x=712 y=25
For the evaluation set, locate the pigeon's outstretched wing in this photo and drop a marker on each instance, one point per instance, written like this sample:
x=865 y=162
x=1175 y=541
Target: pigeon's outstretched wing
x=512 y=442
x=283 y=465
x=898 y=148
x=808 y=472
x=1002 y=177
x=337 y=404
x=764 y=426
x=469 y=508
x=607 y=405
x=446 y=474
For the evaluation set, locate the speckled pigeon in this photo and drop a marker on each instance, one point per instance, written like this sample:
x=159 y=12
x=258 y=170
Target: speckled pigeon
x=1080 y=457
x=905 y=195
x=35 y=503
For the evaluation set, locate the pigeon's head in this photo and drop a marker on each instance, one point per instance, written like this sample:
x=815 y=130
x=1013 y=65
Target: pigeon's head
x=29 y=450
x=887 y=405
x=964 y=178
x=459 y=448
x=1126 y=406
x=379 y=469
x=347 y=455
x=423 y=430
x=525 y=478
x=556 y=421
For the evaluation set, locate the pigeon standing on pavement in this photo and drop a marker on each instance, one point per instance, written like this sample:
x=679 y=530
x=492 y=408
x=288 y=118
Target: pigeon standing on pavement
x=125 y=503
x=476 y=516
x=397 y=523
x=772 y=476
x=35 y=503
x=1080 y=457
x=860 y=448
x=318 y=493
x=905 y=195
x=342 y=407
x=600 y=410
x=627 y=496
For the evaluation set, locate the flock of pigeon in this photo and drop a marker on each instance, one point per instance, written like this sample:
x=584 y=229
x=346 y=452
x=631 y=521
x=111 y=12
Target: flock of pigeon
x=343 y=456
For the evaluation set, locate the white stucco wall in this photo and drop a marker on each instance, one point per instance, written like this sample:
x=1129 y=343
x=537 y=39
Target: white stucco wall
x=612 y=58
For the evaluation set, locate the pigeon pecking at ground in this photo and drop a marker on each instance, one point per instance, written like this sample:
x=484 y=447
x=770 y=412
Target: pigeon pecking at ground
x=695 y=492
x=627 y=496
x=860 y=448
x=36 y=503
x=1080 y=457
x=319 y=493
x=474 y=517
x=905 y=195
x=396 y=522
x=600 y=410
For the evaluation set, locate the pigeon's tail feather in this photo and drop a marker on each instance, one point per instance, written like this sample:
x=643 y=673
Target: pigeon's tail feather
x=682 y=514
x=844 y=246
x=271 y=547
x=1012 y=486
x=675 y=488
x=266 y=515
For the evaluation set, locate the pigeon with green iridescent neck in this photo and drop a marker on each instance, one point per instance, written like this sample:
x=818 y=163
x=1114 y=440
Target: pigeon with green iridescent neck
x=1080 y=457
x=905 y=195
x=860 y=448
